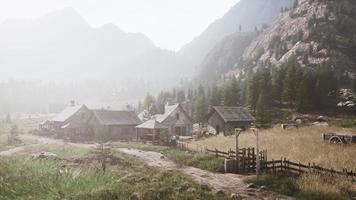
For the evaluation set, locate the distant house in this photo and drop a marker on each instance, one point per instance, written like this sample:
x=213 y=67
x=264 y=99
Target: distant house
x=174 y=121
x=226 y=119
x=78 y=123
x=118 y=125
x=72 y=115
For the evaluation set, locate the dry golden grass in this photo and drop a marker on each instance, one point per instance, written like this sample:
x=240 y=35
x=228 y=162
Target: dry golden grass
x=303 y=145
x=314 y=183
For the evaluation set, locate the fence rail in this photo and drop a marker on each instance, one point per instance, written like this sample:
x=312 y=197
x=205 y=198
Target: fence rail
x=286 y=166
x=247 y=162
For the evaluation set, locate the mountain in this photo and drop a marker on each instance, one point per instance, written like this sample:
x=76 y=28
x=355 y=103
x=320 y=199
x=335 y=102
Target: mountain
x=314 y=32
x=247 y=13
x=225 y=55
x=62 y=45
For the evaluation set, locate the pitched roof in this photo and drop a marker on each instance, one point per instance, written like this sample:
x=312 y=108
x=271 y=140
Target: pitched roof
x=67 y=113
x=110 y=117
x=151 y=124
x=167 y=112
x=233 y=114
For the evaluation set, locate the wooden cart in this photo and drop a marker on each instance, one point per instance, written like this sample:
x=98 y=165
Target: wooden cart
x=339 y=138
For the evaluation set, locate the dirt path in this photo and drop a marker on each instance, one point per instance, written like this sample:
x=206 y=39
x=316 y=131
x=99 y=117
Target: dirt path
x=38 y=140
x=228 y=183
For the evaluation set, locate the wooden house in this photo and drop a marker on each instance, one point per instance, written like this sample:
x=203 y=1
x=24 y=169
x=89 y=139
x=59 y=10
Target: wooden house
x=225 y=119
x=174 y=121
x=73 y=118
x=116 y=125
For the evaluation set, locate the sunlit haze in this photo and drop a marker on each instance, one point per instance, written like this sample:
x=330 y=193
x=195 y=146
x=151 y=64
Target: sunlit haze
x=169 y=24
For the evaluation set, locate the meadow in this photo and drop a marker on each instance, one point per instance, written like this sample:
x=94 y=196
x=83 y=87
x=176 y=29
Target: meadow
x=303 y=145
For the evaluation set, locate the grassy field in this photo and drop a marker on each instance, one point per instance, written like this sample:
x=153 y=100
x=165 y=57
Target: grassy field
x=303 y=145
x=126 y=178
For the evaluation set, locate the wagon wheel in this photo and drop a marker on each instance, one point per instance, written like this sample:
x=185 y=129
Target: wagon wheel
x=335 y=140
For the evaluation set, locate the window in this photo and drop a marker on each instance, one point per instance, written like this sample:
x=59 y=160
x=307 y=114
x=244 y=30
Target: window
x=177 y=116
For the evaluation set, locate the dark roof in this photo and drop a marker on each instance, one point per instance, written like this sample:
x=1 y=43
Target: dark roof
x=110 y=117
x=67 y=113
x=233 y=114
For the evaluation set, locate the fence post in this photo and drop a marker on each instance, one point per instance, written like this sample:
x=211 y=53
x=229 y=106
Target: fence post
x=281 y=164
x=216 y=153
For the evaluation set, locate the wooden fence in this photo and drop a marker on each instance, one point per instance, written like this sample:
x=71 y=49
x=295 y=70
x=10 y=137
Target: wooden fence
x=247 y=162
x=286 y=166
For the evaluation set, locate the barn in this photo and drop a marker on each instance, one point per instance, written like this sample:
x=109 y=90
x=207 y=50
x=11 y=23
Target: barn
x=225 y=119
x=117 y=125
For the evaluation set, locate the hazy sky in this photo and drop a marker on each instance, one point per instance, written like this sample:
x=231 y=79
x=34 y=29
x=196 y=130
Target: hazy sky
x=169 y=23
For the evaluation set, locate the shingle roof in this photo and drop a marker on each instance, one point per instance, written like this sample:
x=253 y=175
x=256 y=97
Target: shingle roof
x=167 y=113
x=67 y=113
x=110 y=117
x=232 y=114
x=151 y=124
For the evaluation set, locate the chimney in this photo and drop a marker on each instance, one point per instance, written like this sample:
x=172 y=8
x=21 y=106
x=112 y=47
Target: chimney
x=72 y=103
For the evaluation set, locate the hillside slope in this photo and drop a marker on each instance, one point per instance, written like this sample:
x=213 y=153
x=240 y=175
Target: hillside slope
x=316 y=32
x=62 y=45
x=225 y=56
x=247 y=13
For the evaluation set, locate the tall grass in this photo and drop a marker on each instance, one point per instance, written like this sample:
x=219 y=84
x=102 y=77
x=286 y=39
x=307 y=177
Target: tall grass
x=301 y=145
x=308 y=186
x=128 y=178
x=23 y=178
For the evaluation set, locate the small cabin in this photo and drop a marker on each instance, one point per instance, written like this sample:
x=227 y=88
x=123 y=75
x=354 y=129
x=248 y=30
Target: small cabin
x=117 y=125
x=225 y=119
x=174 y=121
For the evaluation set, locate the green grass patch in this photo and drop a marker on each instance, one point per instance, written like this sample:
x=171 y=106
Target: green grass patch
x=181 y=158
x=129 y=178
x=24 y=178
x=288 y=185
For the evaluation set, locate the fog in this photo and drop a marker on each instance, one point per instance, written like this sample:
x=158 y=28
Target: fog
x=101 y=53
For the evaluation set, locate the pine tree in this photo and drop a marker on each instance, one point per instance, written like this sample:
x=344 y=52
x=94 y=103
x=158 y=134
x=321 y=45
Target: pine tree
x=232 y=93
x=277 y=84
x=150 y=105
x=180 y=96
x=253 y=90
x=201 y=106
x=215 y=98
x=304 y=102
x=290 y=82
x=263 y=111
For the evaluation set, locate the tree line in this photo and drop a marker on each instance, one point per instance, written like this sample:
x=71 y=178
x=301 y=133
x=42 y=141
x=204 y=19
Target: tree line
x=269 y=87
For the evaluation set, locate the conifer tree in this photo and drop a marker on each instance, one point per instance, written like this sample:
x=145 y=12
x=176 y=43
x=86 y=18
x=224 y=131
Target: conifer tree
x=201 y=107
x=232 y=93
x=215 y=98
x=253 y=90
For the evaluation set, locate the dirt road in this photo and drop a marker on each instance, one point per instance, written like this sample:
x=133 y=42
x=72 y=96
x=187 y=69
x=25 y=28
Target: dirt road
x=34 y=140
x=227 y=183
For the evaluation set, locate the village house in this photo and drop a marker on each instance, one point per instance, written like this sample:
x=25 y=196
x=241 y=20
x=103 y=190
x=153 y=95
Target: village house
x=225 y=119
x=174 y=121
x=117 y=125
x=78 y=123
x=71 y=117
